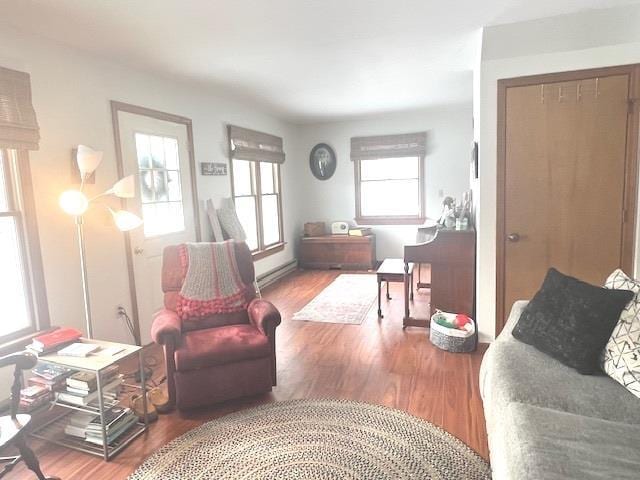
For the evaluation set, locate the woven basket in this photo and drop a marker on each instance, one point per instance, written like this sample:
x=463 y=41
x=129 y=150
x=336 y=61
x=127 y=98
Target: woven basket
x=452 y=339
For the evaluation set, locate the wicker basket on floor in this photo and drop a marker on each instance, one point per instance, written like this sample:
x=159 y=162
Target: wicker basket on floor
x=452 y=339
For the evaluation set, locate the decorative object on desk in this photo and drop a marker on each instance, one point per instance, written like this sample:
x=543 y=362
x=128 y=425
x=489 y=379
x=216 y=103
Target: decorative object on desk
x=447 y=217
x=347 y=299
x=339 y=228
x=213 y=169
x=314 y=440
x=314 y=229
x=453 y=332
x=13 y=427
x=322 y=161
x=76 y=203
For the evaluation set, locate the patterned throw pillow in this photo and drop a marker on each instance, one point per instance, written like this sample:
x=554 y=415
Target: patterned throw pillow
x=229 y=220
x=216 y=229
x=621 y=357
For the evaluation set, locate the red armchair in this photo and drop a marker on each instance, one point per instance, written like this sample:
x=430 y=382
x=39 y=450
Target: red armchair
x=219 y=357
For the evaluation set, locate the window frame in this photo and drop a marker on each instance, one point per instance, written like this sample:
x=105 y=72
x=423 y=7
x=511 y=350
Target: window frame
x=263 y=250
x=21 y=207
x=390 y=219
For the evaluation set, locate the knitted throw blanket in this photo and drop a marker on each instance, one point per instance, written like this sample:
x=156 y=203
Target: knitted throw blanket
x=212 y=282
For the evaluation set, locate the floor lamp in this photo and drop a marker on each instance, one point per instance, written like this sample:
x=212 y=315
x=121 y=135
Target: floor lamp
x=76 y=203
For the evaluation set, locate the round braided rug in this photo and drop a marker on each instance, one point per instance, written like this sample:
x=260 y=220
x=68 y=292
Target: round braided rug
x=315 y=440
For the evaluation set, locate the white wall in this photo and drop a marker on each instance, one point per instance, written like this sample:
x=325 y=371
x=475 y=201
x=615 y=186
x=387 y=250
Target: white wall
x=71 y=94
x=494 y=69
x=449 y=134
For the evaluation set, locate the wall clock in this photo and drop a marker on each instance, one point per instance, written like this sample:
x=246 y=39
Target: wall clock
x=322 y=161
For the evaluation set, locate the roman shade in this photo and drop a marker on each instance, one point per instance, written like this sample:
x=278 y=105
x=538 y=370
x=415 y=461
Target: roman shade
x=389 y=146
x=245 y=144
x=18 y=124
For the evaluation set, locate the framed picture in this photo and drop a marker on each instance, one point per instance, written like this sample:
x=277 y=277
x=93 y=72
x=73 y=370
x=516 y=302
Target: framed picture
x=322 y=161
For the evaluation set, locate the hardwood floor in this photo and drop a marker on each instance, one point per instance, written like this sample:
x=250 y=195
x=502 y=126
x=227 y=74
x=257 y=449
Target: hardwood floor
x=375 y=362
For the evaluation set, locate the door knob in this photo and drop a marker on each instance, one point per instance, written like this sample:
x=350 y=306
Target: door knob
x=513 y=237
x=138 y=250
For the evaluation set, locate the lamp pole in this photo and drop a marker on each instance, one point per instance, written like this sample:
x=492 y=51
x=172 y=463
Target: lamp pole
x=85 y=280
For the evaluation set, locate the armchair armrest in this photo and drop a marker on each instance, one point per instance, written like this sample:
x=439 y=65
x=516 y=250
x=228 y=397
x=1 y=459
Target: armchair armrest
x=166 y=327
x=22 y=360
x=264 y=316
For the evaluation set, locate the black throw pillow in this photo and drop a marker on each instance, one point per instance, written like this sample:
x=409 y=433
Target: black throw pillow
x=571 y=320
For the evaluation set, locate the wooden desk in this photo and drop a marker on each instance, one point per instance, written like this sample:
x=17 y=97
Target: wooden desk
x=338 y=251
x=451 y=254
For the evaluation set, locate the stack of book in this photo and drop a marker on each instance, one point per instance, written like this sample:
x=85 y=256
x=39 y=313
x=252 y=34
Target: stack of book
x=54 y=340
x=50 y=376
x=77 y=424
x=82 y=387
x=33 y=397
x=117 y=420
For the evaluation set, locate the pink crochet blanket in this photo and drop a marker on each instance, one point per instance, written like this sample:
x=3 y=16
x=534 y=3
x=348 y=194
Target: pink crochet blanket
x=212 y=282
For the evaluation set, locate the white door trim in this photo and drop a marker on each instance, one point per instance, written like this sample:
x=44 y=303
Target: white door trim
x=116 y=108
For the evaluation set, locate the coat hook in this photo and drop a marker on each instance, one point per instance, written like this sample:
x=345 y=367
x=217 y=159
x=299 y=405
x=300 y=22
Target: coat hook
x=579 y=91
x=560 y=96
x=542 y=93
x=597 y=87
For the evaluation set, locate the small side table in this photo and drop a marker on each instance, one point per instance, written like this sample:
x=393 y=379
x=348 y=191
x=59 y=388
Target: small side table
x=53 y=429
x=392 y=270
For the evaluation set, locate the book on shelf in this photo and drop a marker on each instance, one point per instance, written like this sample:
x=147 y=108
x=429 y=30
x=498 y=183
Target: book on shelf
x=79 y=349
x=54 y=339
x=51 y=372
x=113 y=417
x=84 y=399
x=52 y=386
x=88 y=382
x=360 y=231
x=77 y=424
x=33 y=397
x=115 y=432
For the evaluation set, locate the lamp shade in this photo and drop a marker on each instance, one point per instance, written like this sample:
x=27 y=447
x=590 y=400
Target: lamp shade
x=88 y=160
x=125 y=187
x=73 y=202
x=125 y=221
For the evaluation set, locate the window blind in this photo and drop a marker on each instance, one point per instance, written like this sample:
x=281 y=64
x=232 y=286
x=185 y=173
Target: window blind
x=389 y=146
x=18 y=124
x=248 y=144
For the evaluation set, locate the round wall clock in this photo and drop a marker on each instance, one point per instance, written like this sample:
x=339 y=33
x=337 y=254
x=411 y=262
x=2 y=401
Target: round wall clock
x=322 y=161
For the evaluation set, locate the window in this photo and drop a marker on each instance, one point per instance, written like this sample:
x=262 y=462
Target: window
x=161 y=193
x=16 y=294
x=389 y=177
x=256 y=194
x=255 y=185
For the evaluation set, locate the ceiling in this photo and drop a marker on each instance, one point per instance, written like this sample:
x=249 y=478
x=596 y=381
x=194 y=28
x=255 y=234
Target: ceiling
x=302 y=60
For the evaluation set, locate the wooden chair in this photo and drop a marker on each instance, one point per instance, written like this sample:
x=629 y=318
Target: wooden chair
x=13 y=426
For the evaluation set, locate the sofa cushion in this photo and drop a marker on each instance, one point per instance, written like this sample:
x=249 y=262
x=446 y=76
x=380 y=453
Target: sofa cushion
x=534 y=442
x=217 y=346
x=571 y=320
x=621 y=357
x=515 y=372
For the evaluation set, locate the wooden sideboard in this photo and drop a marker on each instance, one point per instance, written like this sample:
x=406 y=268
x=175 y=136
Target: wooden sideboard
x=338 y=251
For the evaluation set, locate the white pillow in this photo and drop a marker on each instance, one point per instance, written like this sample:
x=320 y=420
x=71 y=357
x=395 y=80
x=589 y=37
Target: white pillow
x=216 y=229
x=621 y=357
x=229 y=220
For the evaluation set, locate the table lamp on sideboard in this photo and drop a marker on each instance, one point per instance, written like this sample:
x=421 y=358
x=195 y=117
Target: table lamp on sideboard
x=76 y=203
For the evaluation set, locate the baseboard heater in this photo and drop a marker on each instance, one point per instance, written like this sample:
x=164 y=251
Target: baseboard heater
x=277 y=273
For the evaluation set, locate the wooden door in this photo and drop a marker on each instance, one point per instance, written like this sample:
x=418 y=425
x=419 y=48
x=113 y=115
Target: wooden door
x=565 y=190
